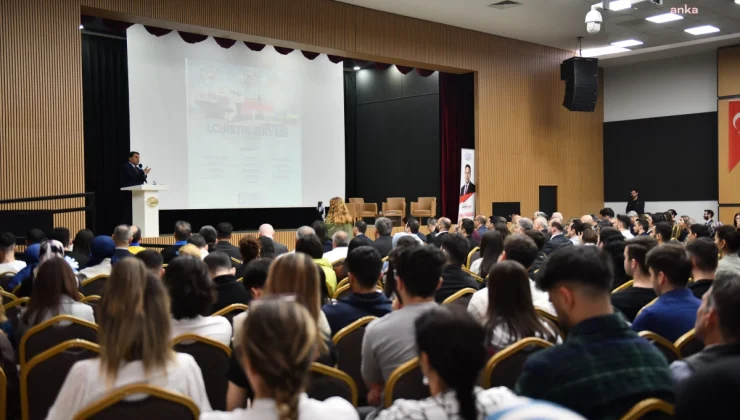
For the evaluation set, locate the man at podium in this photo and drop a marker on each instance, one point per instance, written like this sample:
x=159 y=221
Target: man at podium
x=132 y=172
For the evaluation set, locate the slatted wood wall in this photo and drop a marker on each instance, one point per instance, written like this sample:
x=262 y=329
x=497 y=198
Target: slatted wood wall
x=524 y=137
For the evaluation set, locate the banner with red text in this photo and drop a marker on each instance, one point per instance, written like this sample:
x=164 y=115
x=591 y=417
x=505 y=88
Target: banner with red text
x=733 y=136
x=467 y=185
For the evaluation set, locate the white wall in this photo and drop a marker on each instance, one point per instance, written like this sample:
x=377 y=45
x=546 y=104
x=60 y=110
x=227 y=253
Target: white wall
x=693 y=209
x=674 y=86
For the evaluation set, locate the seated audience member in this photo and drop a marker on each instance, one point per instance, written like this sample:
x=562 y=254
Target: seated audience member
x=575 y=232
x=34 y=237
x=311 y=246
x=717 y=326
x=31 y=258
x=612 y=242
x=182 y=234
x=557 y=216
x=9 y=365
x=192 y=296
x=389 y=341
x=135 y=246
x=727 y=239
x=491 y=247
x=703 y=253
x=254 y=278
x=623 y=225
x=522 y=225
x=190 y=250
x=432 y=226
x=630 y=300
x=339 y=242
x=540 y=224
x=383 y=242
x=364 y=271
x=277 y=350
x=603 y=368
x=699 y=231
x=101 y=261
x=153 y=261
x=684 y=226
x=62 y=235
x=588 y=221
x=503 y=229
x=511 y=315
x=442 y=336
x=82 y=243
x=710 y=393
x=338 y=219
x=320 y=230
x=589 y=237
x=642 y=226
x=557 y=240
x=468 y=227
x=443 y=228
x=209 y=234
x=413 y=226
x=8 y=263
x=228 y=290
x=268 y=232
x=267 y=247
x=223 y=242
x=454 y=279
x=54 y=293
x=539 y=240
x=359 y=232
x=608 y=214
x=122 y=239
x=674 y=313
x=134 y=337
x=199 y=242
x=481 y=224
x=249 y=249
x=522 y=249
x=389 y=279
x=662 y=233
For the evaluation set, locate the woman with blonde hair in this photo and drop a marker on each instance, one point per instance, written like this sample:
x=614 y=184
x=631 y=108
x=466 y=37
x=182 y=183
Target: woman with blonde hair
x=135 y=347
x=277 y=350
x=338 y=218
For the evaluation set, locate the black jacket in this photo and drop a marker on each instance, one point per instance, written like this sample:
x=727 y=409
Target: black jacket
x=229 y=292
x=230 y=250
x=131 y=175
x=172 y=251
x=453 y=280
x=439 y=238
x=556 y=242
x=355 y=306
x=279 y=248
x=384 y=245
x=122 y=253
x=421 y=236
x=81 y=259
x=364 y=239
x=637 y=206
x=430 y=237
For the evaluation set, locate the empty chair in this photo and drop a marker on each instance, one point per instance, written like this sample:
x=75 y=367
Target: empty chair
x=158 y=404
x=504 y=368
x=424 y=207
x=54 y=331
x=394 y=206
x=213 y=359
x=325 y=382
x=348 y=346
x=365 y=209
x=664 y=346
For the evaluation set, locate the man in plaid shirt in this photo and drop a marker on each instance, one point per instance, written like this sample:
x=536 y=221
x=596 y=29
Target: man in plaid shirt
x=603 y=368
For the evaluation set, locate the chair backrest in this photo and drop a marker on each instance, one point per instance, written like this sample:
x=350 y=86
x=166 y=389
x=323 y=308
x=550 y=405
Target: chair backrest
x=45 y=374
x=348 y=346
x=213 y=358
x=469 y=260
x=7 y=297
x=395 y=203
x=461 y=297
x=357 y=200
x=427 y=203
x=326 y=382
x=406 y=382
x=354 y=210
x=5 y=279
x=159 y=404
x=473 y=275
x=342 y=291
x=94 y=285
x=94 y=302
x=54 y=331
x=343 y=282
x=3 y=394
x=688 y=344
x=231 y=311
x=625 y=285
x=504 y=368
x=664 y=346
x=13 y=311
x=653 y=406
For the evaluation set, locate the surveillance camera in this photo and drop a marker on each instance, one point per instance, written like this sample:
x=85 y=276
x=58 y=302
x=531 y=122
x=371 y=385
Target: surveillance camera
x=593 y=21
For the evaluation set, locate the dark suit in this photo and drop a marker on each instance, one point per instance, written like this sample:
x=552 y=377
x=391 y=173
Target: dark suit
x=229 y=292
x=169 y=253
x=131 y=175
x=638 y=206
x=556 y=242
x=473 y=243
x=122 y=253
x=439 y=238
x=230 y=250
x=364 y=239
x=421 y=236
x=471 y=189
x=81 y=259
x=384 y=245
x=453 y=280
x=279 y=248
x=430 y=237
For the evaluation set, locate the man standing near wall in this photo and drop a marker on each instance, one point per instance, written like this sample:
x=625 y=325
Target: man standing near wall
x=636 y=204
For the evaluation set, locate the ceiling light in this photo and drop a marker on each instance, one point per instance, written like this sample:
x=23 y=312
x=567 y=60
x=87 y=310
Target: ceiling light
x=595 y=52
x=701 y=30
x=737 y=1
x=82 y=26
x=627 y=43
x=615 y=5
x=357 y=68
x=665 y=17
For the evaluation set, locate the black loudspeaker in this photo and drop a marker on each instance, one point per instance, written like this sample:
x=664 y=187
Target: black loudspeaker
x=581 y=77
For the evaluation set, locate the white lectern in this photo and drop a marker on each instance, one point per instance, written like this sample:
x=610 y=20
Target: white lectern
x=145 y=208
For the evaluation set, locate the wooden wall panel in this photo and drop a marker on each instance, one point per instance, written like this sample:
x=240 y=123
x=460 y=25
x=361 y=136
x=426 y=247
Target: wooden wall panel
x=728 y=71
x=729 y=182
x=726 y=214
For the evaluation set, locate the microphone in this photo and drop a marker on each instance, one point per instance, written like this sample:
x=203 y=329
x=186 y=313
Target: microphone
x=141 y=166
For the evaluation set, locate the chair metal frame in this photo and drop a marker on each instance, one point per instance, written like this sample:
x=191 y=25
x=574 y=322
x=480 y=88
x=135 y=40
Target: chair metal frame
x=236 y=261
x=646 y=306
x=3 y=393
x=186 y=339
x=473 y=275
x=47 y=324
x=337 y=374
x=91 y=298
x=16 y=302
x=457 y=295
x=122 y=393
x=343 y=282
x=351 y=327
x=340 y=290
x=625 y=285
x=395 y=376
x=470 y=255
x=230 y=308
x=508 y=352
x=8 y=295
x=684 y=340
x=646 y=406
x=657 y=338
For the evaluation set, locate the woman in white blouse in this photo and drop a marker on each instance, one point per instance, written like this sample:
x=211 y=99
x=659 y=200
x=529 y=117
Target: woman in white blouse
x=278 y=346
x=491 y=247
x=134 y=338
x=192 y=293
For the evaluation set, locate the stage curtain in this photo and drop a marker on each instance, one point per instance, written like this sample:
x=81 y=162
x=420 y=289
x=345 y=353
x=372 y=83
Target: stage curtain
x=350 y=133
x=457 y=119
x=106 y=128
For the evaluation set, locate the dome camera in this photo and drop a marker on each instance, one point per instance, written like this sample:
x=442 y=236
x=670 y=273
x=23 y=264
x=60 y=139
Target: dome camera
x=593 y=21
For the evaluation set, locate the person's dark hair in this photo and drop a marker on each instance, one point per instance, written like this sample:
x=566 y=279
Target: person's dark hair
x=406 y=240
x=224 y=230
x=731 y=237
x=725 y=297
x=54 y=279
x=136 y=236
x=320 y=230
x=443 y=334
x=577 y=226
x=365 y=265
x=590 y=236
x=606 y=212
x=700 y=230
x=468 y=226
x=644 y=223
x=182 y=230
x=510 y=304
x=734 y=221
x=255 y=274
x=60 y=234
x=609 y=234
x=668 y=217
x=657 y=218
x=191 y=290
x=637 y=249
x=491 y=247
x=456 y=246
x=217 y=260
x=704 y=254
x=586 y=266
x=624 y=220
x=665 y=230
x=538 y=238
x=354 y=244
x=673 y=212
x=209 y=234
x=468 y=167
x=420 y=269
x=311 y=245
x=198 y=240
x=7 y=242
x=711 y=212
x=82 y=241
x=671 y=260
x=502 y=228
x=612 y=242
x=35 y=236
x=132 y=154
x=521 y=249
x=267 y=247
x=361 y=226
x=152 y=259
x=635 y=190
x=557 y=226
x=389 y=283
x=249 y=248
x=413 y=225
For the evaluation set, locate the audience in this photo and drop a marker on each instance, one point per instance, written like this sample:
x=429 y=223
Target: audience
x=557 y=239
x=699 y=231
x=608 y=214
x=82 y=243
x=717 y=326
x=630 y=300
x=192 y=295
x=228 y=290
x=62 y=235
x=8 y=263
x=662 y=233
x=255 y=277
x=683 y=228
x=540 y=225
x=339 y=243
x=727 y=239
x=190 y=250
x=623 y=225
x=642 y=226
x=711 y=393
x=413 y=227
x=209 y=234
x=467 y=229
x=481 y=225
x=122 y=240
x=198 y=241
x=575 y=232
x=503 y=229
x=182 y=234
x=491 y=247
x=311 y=246
x=589 y=237
x=267 y=231
x=267 y=247
x=320 y=231
x=153 y=261
x=101 y=262
x=383 y=242
x=674 y=312
x=223 y=242
x=455 y=248
x=359 y=232
x=134 y=337
x=338 y=219
x=703 y=254
x=443 y=228
x=249 y=249
x=522 y=225
x=540 y=240
x=612 y=242
x=9 y=366
x=135 y=246
x=603 y=368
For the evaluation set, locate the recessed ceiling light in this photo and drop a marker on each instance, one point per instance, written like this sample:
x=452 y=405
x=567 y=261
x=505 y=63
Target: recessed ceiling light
x=665 y=17
x=627 y=43
x=615 y=5
x=357 y=68
x=595 y=52
x=701 y=30
x=737 y=1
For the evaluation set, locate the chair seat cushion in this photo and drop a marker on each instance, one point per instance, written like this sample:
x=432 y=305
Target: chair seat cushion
x=421 y=213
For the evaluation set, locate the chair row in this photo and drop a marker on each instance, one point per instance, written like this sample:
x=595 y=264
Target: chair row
x=394 y=206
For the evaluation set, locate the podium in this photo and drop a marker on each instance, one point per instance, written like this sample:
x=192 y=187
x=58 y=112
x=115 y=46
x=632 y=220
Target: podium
x=145 y=207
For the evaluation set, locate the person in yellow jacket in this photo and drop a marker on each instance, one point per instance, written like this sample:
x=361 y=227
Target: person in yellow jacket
x=311 y=244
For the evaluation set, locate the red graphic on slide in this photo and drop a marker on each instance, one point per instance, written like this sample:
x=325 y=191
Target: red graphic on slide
x=464 y=198
x=733 y=138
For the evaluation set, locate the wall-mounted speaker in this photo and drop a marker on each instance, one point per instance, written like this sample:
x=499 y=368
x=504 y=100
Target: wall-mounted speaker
x=581 y=76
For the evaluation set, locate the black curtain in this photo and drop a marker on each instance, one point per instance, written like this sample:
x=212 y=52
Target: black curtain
x=350 y=133
x=457 y=109
x=106 y=124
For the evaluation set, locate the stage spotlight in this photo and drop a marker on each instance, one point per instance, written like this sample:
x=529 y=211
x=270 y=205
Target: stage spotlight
x=357 y=68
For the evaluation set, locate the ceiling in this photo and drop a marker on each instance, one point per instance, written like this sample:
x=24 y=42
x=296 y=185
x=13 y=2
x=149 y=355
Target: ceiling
x=558 y=23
